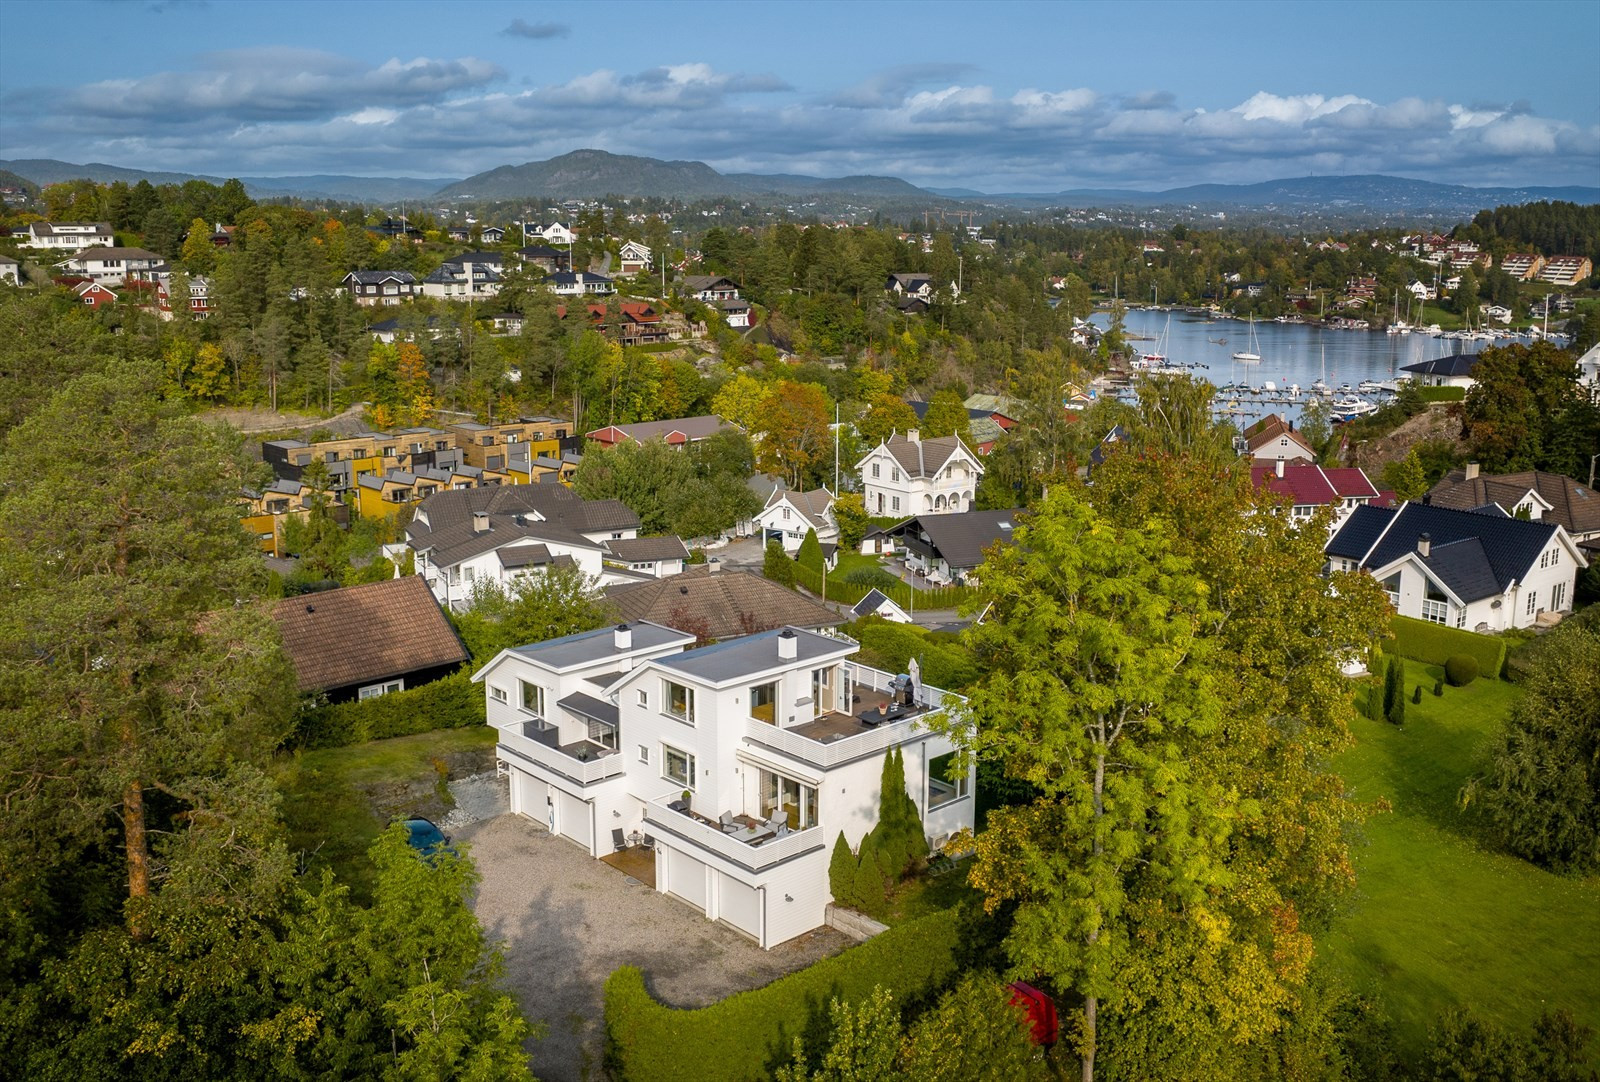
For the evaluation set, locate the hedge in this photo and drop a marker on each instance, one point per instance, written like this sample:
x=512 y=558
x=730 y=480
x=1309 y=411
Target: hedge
x=848 y=593
x=1434 y=644
x=452 y=703
x=749 y=1034
x=1442 y=394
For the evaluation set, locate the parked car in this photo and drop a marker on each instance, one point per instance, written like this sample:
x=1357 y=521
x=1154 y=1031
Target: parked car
x=426 y=838
x=1043 y=1028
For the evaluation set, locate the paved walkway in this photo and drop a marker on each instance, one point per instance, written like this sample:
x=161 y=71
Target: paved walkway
x=567 y=921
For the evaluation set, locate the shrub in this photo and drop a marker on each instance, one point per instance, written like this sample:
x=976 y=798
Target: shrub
x=452 y=703
x=1460 y=670
x=1416 y=696
x=810 y=554
x=777 y=566
x=1434 y=644
x=875 y=577
x=870 y=887
x=1395 y=693
x=749 y=1034
x=842 y=873
x=1438 y=687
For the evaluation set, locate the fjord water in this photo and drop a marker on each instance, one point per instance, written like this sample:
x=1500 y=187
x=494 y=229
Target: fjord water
x=1291 y=353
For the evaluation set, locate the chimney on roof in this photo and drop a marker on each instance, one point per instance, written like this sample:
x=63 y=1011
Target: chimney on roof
x=622 y=635
x=1472 y=470
x=914 y=435
x=714 y=565
x=788 y=645
x=1424 y=545
x=480 y=522
x=1280 y=465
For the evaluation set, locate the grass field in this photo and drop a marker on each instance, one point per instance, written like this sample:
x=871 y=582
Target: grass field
x=337 y=800
x=1441 y=919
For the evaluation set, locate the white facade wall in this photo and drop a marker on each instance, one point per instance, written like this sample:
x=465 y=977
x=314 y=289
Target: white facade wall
x=453 y=586
x=1546 y=589
x=894 y=492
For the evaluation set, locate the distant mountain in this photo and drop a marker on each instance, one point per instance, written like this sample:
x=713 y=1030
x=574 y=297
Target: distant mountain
x=587 y=174
x=8 y=179
x=1371 y=192
x=957 y=193
x=41 y=171
x=349 y=189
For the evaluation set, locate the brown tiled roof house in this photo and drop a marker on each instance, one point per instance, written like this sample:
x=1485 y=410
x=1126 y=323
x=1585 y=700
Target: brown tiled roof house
x=360 y=641
x=719 y=604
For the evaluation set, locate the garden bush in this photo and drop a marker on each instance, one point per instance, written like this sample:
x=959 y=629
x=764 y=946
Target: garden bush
x=1460 y=670
x=1416 y=696
x=1434 y=644
x=842 y=873
x=1438 y=687
x=451 y=703
x=750 y=1034
x=870 y=577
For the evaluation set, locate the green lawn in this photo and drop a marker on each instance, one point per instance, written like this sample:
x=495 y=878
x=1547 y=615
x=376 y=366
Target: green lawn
x=337 y=800
x=1440 y=919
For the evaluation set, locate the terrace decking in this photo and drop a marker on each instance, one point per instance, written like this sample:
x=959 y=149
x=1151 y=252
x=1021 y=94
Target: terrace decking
x=836 y=726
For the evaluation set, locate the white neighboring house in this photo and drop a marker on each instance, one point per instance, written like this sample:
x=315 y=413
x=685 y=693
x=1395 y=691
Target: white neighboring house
x=464 y=537
x=741 y=762
x=114 y=266
x=1589 y=369
x=554 y=233
x=578 y=284
x=735 y=312
x=70 y=236
x=10 y=270
x=378 y=288
x=1452 y=371
x=1497 y=312
x=644 y=558
x=788 y=515
x=634 y=258
x=908 y=475
x=878 y=603
x=1481 y=569
x=472 y=276
x=709 y=288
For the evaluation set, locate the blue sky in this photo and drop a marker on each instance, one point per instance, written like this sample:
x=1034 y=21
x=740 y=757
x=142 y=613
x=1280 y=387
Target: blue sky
x=994 y=96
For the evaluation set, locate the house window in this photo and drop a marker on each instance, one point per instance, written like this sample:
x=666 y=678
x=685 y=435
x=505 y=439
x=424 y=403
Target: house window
x=786 y=514
x=895 y=503
x=1533 y=603
x=946 y=780
x=894 y=474
x=1461 y=616
x=1555 y=557
x=787 y=799
x=533 y=698
x=643 y=698
x=372 y=691
x=679 y=700
x=764 y=702
x=677 y=766
x=874 y=469
x=1391 y=586
x=497 y=694
x=644 y=753
x=1558 y=595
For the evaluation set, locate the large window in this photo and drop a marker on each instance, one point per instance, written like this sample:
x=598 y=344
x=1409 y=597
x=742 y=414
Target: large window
x=679 y=700
x=533 y=698
x=677 y=766
x=764 y=702
x=1391 y=586
x=790 y=800
x=1435 y=606
x=946 y=780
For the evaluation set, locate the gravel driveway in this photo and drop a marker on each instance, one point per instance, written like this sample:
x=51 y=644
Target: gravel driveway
x=567 y=921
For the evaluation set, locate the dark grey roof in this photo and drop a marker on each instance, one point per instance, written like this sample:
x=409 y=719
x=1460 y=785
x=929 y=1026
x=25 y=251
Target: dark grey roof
x=959 y=539
x=648 y=548
x=1502 y=550
x=719 y=604
x=535 y=555
x=698 y=283
x=875 y=600
x=734 y=659
x=922 y=458
x=1573 y=504
x=589 y=707
x=1457 y=364
x=556 y=504
x=481 y=258
x=378 y=277
x=1355 y=538
x=921 y=410
x=588 y=647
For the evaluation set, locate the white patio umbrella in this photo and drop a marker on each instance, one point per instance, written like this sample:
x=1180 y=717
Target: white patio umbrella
x=916 y=680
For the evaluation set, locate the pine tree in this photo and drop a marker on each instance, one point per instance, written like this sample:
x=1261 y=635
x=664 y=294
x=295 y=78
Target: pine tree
x=842 y=873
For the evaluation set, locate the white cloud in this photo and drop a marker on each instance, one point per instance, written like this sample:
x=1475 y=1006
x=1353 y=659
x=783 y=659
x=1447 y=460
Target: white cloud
x=1295 y=109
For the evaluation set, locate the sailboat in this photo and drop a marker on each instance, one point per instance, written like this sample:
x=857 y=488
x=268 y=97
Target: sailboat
x=1158 y=357
x=1252 y=354
x=1398 y=325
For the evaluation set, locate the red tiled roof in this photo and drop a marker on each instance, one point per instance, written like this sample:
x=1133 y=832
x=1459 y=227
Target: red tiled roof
x=1351 y=482
x=1303 y=484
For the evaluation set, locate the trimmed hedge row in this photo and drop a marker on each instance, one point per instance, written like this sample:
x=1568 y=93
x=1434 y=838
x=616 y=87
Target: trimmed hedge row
x=747 y=1035
x=848 y=593
x=1442 y=394
x=451 y=703
x=1435 y=644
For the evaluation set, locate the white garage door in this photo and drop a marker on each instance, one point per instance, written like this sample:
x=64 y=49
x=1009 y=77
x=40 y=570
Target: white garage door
x=572 y=818
x=530 y=795
x=686 y=877
x=740 y=905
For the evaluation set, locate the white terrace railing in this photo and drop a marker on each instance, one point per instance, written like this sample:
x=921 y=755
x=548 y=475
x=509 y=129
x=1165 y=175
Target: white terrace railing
x=843 y=749
x=582 y=771
x=660 y=819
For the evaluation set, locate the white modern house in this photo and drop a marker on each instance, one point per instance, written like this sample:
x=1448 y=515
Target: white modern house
x=472 y=276
x=114 y=266
x=1481 y=570
x=462 y=538
x=69 y=236
x=634 y=258
x=789 y=514
x=738 y=764
x=908 y=475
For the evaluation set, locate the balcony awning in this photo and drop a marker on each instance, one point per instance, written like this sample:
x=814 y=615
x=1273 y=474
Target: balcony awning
x=587 y=706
